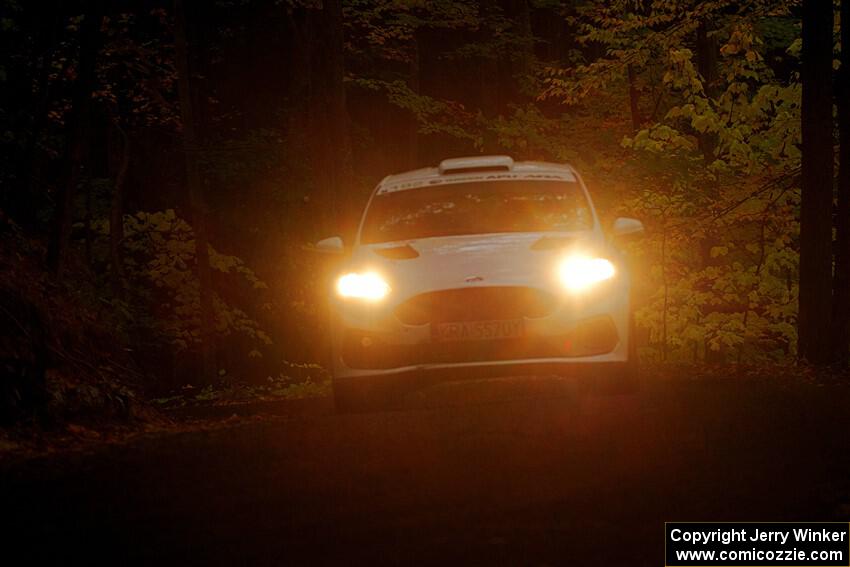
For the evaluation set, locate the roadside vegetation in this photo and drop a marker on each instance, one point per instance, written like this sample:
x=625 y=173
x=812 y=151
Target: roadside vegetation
x=166 y=165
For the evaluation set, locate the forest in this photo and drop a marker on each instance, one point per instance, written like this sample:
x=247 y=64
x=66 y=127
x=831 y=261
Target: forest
x=167 y=166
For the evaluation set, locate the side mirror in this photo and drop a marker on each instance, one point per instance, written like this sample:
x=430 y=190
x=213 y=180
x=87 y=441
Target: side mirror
x=624 y=226
x=332 y=245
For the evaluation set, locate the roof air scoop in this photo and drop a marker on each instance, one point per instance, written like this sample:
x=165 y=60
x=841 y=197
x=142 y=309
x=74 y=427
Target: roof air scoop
x=553 y=242
x=476 y=164
x=403 y=252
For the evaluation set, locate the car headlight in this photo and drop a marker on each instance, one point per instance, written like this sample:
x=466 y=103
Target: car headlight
x=578 y=273
x=368 y=286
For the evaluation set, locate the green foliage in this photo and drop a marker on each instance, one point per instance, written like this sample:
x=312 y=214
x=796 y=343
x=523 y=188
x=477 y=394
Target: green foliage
x=160 y=250
x=384 y=38
x=136 y=74
x=298 y=381
x=712 y=169
x=709 y=161
x=712 y=172
x=387 y=29
x=433 y=116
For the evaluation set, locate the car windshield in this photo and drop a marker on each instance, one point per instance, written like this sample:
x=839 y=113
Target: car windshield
x=481 y=207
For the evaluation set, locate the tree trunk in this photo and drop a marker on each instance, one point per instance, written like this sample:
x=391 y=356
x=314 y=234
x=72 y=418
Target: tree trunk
x=515 y=72
x=26 y=210
x=815 y=299
x=88 y=234
x=196 y=198
x=77 y=139
x=633 y=99
x=666 y=292
x=301 y=88
x=707 y=58
x=116 y=217
x=339 y=140
x=413 y=122
x=707 y=66
x=841 y=279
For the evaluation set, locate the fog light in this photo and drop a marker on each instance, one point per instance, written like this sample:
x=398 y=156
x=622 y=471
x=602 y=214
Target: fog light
x=366 y=342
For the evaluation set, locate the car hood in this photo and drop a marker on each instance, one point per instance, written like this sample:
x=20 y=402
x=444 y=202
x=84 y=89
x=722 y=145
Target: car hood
x=477 y=260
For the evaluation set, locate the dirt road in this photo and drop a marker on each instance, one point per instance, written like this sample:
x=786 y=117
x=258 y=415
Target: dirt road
x=513 y=471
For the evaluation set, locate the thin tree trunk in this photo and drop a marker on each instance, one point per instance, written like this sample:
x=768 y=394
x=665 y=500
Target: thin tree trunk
x=841 y=279
x=707 y=66
x=77 y=139
x=301 y=88
x=707 y=57
x=27 y=208
x=513 y=78
x=815 y=299
x=87 y=230
x=633 y=99
x=116 y=217
x=339 y=147
x=488 y=83
x=196 y=198
x=666 y=292
x=413 y=126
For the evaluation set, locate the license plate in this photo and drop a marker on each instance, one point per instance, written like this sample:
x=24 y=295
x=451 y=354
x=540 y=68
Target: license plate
x=478 y=330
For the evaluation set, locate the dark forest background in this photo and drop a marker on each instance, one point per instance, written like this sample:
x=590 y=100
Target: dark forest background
x=165 y=166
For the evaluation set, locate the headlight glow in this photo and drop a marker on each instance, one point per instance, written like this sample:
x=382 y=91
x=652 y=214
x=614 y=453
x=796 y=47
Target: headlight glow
x=579 y=273
x=368 y=286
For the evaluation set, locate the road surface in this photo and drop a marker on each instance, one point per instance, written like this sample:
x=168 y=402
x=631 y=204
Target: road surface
x=511 y=471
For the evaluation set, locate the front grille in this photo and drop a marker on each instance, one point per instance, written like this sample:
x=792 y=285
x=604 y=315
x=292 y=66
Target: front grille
x=476 y=304
x=591 y=337
x=382 y=356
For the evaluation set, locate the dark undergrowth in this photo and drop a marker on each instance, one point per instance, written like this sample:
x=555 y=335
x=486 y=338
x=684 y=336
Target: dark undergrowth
x=71 y=377
x=66 y=364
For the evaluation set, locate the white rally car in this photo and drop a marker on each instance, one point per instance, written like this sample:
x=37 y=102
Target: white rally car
x=480 y=265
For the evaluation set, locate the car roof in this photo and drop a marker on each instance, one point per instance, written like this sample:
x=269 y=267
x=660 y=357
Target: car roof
x=476 y=168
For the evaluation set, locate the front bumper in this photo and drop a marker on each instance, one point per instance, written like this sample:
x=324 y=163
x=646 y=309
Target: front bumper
x=588 y=331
